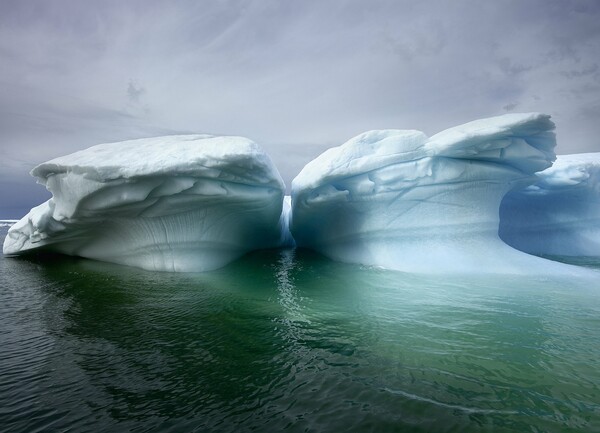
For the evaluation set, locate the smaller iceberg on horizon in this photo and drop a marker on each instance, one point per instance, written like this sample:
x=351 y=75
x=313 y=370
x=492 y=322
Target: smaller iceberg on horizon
x=178 y=203
x=401 y=200
x=560 y=213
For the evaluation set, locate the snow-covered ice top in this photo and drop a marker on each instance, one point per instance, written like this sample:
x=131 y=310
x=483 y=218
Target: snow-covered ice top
x=180 y=158
x=524 y=141
x=235 y=159
x=186 y=202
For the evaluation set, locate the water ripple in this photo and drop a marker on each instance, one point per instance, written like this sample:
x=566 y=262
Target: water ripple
x=289 y=340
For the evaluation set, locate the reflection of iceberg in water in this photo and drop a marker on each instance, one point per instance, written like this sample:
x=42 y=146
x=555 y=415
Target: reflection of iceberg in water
x=291 y=322
x=288 y=338
x=288 y=297
x=429 y=338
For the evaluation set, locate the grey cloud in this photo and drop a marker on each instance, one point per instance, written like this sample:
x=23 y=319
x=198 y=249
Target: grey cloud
x=510 y=68
x=78 y=73
x=591 y=70
x=134 y=91
x=420 y=42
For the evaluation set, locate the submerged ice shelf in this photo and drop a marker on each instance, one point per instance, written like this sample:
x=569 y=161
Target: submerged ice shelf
x=178 y=203
x=401 y=200
x=560 y=213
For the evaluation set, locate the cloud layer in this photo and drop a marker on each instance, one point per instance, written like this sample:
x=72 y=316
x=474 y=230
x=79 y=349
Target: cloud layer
x=297 y=77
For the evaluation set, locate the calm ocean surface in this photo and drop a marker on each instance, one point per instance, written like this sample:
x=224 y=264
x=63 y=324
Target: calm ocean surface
x=288 y=340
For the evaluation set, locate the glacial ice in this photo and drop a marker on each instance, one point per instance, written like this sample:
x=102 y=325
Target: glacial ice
x=401 y=200
x=177 y=203
x=458 y=201
x=560 y=213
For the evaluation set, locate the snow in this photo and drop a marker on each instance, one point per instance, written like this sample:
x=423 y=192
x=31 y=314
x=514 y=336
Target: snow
x=401 y=200
x=178 y=203
x=560 y=213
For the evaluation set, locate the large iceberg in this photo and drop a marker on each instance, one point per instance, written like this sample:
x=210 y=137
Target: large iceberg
x=178 y=203
x=401 y=200
x=560 y=213
x=391 y=198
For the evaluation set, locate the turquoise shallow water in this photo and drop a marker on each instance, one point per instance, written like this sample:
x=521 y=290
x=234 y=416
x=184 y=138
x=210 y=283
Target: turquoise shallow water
x=288 y=340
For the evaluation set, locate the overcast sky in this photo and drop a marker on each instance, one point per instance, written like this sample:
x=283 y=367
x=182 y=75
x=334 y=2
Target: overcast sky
x=294 y=76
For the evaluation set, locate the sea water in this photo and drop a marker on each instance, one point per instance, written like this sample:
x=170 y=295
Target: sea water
x=288 y=340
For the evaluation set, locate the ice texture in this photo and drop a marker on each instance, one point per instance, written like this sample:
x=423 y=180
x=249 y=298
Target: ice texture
x=560 y=213
x=176 y=203
x=287 y=239
x=401 y=200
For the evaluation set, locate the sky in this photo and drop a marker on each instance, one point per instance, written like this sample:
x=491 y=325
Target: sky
x=296 y=77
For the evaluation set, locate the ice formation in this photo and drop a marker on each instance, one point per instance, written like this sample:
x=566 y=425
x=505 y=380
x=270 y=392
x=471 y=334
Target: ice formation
x=287 y=239
x=401 y=200
x=178 y=203
x=560 y=213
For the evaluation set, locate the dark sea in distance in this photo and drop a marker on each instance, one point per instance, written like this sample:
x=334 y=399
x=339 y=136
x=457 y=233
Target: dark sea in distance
x=290 y=341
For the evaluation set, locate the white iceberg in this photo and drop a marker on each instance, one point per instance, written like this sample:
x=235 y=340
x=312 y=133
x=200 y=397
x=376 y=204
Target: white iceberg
x=178 y=203
x=560 y=213
x=401 y=200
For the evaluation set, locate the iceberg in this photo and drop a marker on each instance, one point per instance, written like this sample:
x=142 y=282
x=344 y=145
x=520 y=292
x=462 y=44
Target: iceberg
x=176 y=203
x=560 y=213
x=402 y=200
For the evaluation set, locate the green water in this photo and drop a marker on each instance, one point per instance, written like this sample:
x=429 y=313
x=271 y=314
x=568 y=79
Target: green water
x=287 y=340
